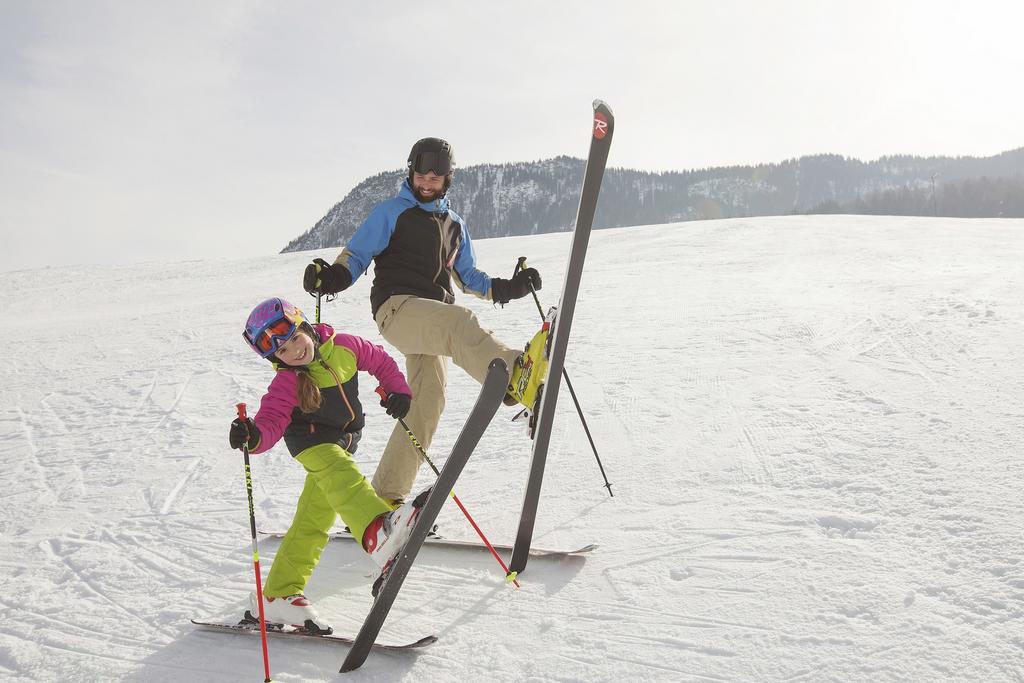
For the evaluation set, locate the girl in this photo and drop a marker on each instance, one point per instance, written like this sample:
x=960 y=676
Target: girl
x=313 y=402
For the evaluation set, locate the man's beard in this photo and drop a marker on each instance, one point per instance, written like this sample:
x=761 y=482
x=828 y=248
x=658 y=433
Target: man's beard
x=433 y=196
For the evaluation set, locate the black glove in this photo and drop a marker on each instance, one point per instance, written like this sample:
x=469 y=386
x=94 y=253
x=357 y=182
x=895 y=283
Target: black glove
x=397 y=405
x=325 y=278
x=244 y=432
x=503 y=291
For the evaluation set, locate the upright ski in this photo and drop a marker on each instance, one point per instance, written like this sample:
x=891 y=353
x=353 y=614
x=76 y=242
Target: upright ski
x=487 y=403
x=600 y=143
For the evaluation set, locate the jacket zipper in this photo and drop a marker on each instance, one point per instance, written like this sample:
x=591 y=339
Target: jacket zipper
x=440 y=248
x=341 y=390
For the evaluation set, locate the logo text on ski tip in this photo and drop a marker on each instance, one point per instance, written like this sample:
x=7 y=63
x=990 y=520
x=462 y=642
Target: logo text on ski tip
x=600 y=125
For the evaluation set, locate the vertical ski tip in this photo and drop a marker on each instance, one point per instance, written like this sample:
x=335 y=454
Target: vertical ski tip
x=604 y=123
x=498 y=364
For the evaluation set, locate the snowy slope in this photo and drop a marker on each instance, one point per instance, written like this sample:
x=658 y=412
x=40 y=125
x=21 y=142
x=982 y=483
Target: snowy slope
x=813 y=426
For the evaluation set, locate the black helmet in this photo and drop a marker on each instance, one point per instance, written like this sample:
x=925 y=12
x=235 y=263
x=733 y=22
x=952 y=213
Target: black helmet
x=431 y=155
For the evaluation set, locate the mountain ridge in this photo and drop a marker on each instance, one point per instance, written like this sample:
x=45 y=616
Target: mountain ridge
x=522 y=198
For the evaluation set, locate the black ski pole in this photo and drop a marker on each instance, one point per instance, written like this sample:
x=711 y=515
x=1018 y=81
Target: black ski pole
x=536 y=299
x=520 y=265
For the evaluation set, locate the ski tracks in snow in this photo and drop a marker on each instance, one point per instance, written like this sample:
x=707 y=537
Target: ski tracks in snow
x=812 y=427
x=41 y=471
x=190 y=474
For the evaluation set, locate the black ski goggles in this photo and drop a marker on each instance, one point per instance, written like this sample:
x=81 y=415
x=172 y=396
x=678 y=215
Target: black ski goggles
x=437 y=163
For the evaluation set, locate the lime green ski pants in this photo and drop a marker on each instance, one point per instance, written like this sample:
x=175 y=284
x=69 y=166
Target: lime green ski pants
x=334 y=487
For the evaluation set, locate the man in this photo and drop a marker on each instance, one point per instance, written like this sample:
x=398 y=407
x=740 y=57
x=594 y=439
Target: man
x=418 y=246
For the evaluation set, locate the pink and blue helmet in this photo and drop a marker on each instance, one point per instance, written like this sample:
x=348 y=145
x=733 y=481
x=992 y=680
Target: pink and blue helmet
x=271 y=324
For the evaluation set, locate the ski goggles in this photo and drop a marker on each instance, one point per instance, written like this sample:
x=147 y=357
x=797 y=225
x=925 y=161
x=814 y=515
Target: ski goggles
x=438 y=163
x=271 y=336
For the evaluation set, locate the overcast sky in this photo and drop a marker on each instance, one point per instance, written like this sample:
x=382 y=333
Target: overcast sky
x=135 y=131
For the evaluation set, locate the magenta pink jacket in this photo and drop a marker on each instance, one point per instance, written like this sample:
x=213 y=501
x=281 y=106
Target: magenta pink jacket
x=335 y=370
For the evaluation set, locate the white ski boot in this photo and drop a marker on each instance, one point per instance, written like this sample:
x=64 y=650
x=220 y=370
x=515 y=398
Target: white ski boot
x=387 y=534
x=291 y=610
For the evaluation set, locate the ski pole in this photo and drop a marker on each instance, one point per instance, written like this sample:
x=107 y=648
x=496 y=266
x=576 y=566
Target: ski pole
x=255 y=550
x=520 y=265
x=416 y=443
x=319 y=295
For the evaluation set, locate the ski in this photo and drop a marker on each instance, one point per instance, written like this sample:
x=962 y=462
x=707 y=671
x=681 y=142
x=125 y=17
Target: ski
x=491 y=394
x=250 y=625
x=342 y=534
x=435 y=541
x=603 y=126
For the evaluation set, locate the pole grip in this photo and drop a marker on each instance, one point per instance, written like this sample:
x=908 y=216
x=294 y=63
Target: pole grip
x=383 y=395
x=241 y=411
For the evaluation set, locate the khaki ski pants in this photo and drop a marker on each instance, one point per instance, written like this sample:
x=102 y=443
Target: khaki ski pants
x=428 y=332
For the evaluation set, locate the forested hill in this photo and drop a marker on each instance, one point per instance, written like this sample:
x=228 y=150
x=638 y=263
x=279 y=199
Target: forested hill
x=498 y=200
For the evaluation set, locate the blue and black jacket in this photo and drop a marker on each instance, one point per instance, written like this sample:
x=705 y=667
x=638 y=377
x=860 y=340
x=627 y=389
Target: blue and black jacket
x=417 y=248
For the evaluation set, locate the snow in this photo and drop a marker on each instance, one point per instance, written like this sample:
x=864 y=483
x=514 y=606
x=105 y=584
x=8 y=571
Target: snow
x=812 y=426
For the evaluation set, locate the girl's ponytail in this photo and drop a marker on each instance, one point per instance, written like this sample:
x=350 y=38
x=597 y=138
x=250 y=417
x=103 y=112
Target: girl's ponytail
x=308 y=392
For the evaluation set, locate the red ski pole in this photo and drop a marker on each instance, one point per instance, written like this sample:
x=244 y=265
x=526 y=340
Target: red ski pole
x=415 y=442
x=255 y=550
